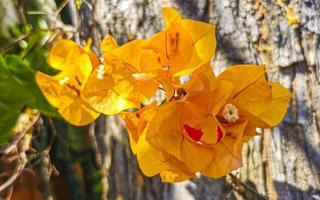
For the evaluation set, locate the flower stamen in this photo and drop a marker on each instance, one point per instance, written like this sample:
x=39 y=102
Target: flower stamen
x=230 y=113
x=100 y=72
x=64 y=80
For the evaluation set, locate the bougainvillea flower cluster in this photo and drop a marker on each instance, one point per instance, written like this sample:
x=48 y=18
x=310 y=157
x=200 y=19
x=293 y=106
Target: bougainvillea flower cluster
x=200 y=126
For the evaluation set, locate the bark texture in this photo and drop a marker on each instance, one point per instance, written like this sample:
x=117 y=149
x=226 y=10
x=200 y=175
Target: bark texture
x=283 y=163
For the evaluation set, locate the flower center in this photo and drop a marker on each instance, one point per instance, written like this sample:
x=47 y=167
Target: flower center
x=74 y=83
x=165 y=68
x=100 y=72
x=179 y=94
x=193 y=133
x=64 y=80
x=230 y=113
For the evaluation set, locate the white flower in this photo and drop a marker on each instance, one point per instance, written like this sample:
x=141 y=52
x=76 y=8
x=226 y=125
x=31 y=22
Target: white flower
x=230 y=113
x=100 y=72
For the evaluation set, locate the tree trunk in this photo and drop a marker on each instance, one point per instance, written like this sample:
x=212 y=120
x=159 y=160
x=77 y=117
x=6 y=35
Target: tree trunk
x=282 y=163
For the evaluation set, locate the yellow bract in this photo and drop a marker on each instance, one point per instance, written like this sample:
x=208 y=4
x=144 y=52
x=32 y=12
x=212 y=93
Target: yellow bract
x=108 y=43
x=64 y=90
x=275 y=111
x=122 y=82
x=255 y=97
x=65 y=53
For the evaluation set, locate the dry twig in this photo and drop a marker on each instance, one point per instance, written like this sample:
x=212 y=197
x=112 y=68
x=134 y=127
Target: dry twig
x=19 y=156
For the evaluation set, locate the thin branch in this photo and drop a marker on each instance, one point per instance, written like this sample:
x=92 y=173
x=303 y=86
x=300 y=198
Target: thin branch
x=61 y=6
x=18 y=170
x=22 y=158
x=36 y=13
x=247 y=187
x=22 y=37
x=13 y=144
x=57 y=12
x=9 y=193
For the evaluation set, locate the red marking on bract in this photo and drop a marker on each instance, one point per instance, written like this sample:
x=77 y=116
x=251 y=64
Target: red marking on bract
x=193 y=133
x=220 y=134
x=137 y=115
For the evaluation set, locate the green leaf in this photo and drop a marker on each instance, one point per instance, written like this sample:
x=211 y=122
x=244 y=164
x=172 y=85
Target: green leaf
x=34 y=41
x=39 y=61
x=19 y=90
x=8 y=119
x=4 y=74
x=19 y=69
x=12 y=93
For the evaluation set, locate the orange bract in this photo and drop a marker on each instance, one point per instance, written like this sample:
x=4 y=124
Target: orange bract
x=184 y=44
x=132 y=73
x=213 y=118
x=152 y=160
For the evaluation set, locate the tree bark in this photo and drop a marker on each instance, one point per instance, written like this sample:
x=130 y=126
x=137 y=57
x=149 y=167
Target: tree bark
x=282 y=163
